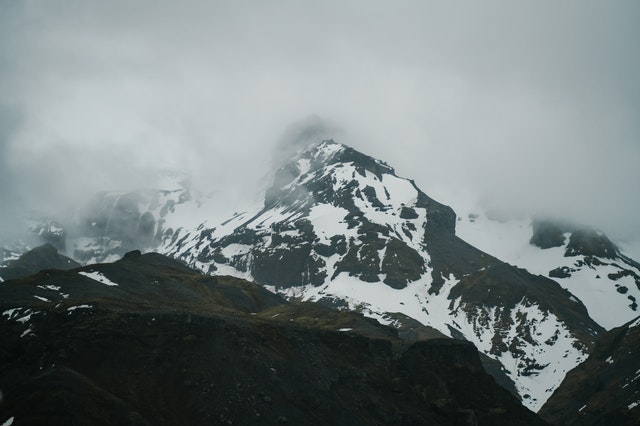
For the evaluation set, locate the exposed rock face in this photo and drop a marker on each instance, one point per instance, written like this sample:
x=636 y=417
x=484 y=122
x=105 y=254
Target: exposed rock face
x=549 y=233
x=589 y=242
x=605 y=389
x=582 y=241
x=146 y=340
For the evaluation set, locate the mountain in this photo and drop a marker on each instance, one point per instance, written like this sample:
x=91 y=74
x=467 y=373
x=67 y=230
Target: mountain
x=341 y=228
x=147 y=340
x=109 y=224
x=36 y=260
x=114 y=223
x=581 y=259
x=605 y=389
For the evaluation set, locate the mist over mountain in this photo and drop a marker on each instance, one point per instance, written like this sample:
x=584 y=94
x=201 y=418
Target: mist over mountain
x=341 y=232
x=413 y=171
x=523 y=107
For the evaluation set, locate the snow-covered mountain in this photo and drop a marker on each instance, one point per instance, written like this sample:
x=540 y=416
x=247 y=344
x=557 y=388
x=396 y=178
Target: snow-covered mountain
x=111 y=223
x=341 y=228
x=581 y=259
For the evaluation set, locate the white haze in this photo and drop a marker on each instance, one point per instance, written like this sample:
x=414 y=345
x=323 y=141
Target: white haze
x=526 y=106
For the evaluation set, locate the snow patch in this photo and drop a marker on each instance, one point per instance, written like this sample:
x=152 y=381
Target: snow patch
x=14 y=314
x=329 y=220
x=50 y=287
x=98 y=276
x=73 y=308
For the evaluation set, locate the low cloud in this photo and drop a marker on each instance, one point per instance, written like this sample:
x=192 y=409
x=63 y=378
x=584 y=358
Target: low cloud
x=528 y=106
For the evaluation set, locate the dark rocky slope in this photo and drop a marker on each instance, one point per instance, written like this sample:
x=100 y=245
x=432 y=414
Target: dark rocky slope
x=146 y=340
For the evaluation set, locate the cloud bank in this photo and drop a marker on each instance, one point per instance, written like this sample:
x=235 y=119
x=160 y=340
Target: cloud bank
x=521 y=105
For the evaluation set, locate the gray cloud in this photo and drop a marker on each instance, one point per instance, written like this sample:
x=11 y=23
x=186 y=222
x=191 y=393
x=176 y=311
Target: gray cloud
x=532 y=105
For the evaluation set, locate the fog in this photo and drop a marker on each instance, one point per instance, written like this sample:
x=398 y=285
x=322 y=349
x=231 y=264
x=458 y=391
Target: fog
x=523 y=106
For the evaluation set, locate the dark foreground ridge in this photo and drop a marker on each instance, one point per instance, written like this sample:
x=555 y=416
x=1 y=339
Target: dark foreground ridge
x=146 y=340
x=605 y=389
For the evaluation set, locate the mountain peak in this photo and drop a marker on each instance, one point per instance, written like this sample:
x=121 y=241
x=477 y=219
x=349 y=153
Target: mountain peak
x=331 y=152
x=341 y=228
x=324 y=170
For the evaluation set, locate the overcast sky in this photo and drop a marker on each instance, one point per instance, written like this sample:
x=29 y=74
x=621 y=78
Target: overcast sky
x=528 y=105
